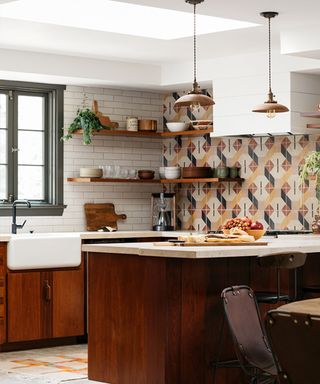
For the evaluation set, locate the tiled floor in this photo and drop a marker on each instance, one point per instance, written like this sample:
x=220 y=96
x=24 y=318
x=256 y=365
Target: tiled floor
x=45 y=366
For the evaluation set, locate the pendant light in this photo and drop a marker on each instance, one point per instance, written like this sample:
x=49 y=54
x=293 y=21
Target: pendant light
x=271 y=106
x=194 y=99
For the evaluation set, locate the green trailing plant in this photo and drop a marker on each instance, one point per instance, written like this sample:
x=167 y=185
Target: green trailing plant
x=311 y=168
x=86 y=120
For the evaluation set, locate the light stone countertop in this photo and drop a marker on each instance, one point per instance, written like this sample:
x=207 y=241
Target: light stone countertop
x=303 y=243
x=100 y=235
x=4 y=238
x=130 y=234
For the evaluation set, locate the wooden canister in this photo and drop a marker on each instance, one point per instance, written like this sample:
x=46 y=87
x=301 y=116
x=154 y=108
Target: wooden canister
x=147 y=125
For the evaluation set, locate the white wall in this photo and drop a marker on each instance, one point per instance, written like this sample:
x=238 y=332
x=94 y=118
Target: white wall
x=133 y=200
x=48 y=67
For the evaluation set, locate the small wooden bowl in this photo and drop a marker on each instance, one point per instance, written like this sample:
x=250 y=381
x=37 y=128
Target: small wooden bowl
x=145 y=174
x=256 y=233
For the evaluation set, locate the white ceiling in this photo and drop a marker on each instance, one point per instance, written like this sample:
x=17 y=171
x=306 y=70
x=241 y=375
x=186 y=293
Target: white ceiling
x=66 y=41
x=118 y=17
x=34 y=36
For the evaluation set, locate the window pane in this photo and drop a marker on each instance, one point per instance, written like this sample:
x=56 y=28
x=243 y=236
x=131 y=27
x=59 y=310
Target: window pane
x=3 y=146
x=31 y=182
x=3 y=182
x=3 y=111
x=31 y=112
x=31 y=147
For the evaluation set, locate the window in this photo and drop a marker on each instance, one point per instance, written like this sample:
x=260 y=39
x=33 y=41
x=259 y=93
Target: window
x=31 y=152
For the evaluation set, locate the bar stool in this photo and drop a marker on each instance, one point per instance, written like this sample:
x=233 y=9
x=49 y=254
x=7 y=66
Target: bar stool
x=293 y=331
x=250 y=343
x=279 y=261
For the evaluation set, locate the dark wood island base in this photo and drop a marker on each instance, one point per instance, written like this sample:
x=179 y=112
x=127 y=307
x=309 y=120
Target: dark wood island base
x=155 y=320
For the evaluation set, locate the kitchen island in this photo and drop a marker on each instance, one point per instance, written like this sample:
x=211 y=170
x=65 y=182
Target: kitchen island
x=155 y=311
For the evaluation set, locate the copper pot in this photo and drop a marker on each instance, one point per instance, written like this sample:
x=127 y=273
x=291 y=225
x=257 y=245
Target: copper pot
x=147 y=125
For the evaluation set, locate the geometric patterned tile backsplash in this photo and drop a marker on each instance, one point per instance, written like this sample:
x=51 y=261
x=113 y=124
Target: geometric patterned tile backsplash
x=271 y=192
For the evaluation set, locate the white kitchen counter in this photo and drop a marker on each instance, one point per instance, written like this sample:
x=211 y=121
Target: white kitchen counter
x=129 y=234
x=4 y=238
x=100 y=235
x=303 y=243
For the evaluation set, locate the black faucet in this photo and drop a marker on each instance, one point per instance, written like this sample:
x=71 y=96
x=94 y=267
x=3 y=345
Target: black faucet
x=14 y=224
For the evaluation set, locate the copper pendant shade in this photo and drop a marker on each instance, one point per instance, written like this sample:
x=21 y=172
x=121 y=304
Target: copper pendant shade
x=271 y=106
x=195 y=98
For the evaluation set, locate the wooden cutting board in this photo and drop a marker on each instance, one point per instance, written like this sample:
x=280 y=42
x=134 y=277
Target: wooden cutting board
x=101 y=215
x=208 y=244
x=104 y=120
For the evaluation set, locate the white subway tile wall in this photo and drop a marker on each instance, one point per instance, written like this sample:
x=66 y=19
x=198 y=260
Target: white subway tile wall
x=132 y=153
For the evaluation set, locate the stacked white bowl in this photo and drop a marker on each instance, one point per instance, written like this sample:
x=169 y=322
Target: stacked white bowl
x=91 y=172
x=177 y=126
x=161 y=172
x=172 y=172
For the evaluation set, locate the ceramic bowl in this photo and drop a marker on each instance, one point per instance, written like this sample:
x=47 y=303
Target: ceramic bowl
x=161 y=172
x=172 y=172
x=91 y=172
x=177 y=127
x=145 y=174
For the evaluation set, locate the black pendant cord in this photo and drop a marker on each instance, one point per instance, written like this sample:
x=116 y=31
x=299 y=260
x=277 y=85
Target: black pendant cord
x=269 y=22
x=195 y=43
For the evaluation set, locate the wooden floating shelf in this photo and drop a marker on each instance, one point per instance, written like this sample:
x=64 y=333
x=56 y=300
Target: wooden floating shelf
x=314 y=126
x=113 y=132
x=311 y=114
x=201 y=180
x=108 y=180
x=153 y=181
x=193 y=132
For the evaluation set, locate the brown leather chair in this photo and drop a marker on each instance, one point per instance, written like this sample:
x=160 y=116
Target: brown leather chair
x=251 y=345
x=280 y=261
x=294 y=334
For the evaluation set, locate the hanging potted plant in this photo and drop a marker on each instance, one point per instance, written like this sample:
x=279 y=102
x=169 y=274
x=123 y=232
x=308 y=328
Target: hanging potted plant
x=88 y=121
x=311 y=171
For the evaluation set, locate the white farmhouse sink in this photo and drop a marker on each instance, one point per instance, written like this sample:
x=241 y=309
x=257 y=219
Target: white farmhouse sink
x=47 y=250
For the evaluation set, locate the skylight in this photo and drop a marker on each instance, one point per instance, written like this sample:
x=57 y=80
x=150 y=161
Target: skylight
x=117 y=17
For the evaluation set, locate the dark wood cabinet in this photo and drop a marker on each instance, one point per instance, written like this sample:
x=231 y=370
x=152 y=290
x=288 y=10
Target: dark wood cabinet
x=68 y=303
x=24 y=306
x=41 y=305
x=3 y=292
x=51 y=304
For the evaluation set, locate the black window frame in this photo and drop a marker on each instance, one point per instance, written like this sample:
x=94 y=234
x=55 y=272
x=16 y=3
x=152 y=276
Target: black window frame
x=53 y=205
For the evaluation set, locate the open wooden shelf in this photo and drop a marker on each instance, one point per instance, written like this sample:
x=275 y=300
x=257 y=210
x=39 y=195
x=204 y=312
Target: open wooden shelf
x=114 y=132
x=202 y=180
x=110 y=180
x=311 y=114
x=314 y=126
x=193 y=132
x=153 y=181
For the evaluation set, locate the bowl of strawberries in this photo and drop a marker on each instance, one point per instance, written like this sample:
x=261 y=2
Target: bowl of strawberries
x=253 y=228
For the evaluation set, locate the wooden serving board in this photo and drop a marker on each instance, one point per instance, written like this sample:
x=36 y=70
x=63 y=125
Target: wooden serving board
x=101 y=215
x=210 y=244
x=104 y=120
